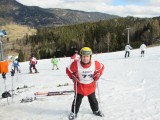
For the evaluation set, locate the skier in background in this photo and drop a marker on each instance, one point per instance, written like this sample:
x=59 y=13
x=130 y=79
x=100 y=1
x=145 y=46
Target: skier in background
x=54 y=61
x=143 y=48
x=84 y=74
x=127 y=50
x=33 y=62
x=16 y=66
x=75 y=57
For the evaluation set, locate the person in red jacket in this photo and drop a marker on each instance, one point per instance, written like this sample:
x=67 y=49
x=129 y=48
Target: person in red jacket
x=75 y=57
x=84 y=74
x=32 y=63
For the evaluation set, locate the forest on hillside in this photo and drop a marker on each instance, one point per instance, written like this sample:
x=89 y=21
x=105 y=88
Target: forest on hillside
x=103 y=36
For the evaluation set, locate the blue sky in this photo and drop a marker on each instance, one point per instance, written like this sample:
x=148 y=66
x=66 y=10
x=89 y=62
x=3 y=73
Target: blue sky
x=130 y=2
x=136 y=8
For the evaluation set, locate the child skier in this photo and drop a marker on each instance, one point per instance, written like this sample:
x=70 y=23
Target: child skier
x=84 y=74
x=75 y=57
x=143 y=48
x=33 y=62
x=127 y=49
x=54 y=61
x=15 y=66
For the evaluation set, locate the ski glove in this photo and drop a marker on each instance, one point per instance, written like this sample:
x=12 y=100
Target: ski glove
x=4 y=75
x=12 y=72
x=75 y=77
x=96 y=75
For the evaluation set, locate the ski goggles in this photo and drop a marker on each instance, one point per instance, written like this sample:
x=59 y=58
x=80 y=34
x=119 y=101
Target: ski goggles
x=86 y=53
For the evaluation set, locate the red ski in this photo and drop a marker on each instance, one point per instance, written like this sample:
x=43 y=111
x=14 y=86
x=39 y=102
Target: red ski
x=54 y=93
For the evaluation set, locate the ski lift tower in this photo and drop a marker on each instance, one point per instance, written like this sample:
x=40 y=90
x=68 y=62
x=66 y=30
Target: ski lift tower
x=1 y=50
x=1 y=47
x=128 y=33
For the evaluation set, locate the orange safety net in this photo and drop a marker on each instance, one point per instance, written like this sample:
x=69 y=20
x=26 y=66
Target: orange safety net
x=4 y=67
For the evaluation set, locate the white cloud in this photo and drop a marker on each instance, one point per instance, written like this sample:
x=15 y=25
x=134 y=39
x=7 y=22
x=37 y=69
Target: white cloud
x=131 y=10
x=155 y=3
x=61 y=3
x=150 y=9
x=41 y=3
x=135 y=0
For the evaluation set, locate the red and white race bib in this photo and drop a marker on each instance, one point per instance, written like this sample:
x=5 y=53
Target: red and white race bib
x=86 y=74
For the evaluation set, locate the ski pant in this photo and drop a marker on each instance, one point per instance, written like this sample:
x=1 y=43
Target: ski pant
x=55 y=65
x=16 y=69
x=127 y=53
x=32 y=66
x=142 y=52
x=92 y=100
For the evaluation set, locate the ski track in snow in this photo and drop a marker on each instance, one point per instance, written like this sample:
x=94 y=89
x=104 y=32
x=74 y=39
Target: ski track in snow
x=129 y=89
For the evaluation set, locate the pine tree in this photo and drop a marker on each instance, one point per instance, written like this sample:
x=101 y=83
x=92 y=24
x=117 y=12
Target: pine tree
x=21 y=56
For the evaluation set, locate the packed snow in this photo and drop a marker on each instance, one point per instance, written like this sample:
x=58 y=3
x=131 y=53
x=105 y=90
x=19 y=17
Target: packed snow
x=129 y=89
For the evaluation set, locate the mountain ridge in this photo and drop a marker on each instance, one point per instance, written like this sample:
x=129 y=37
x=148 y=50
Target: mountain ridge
x=42 y=17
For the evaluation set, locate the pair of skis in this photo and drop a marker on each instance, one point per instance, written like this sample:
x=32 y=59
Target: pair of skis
x=31 y=99
x=27 y=99
x=65 y=84
x=54 y=93
x=25 y=86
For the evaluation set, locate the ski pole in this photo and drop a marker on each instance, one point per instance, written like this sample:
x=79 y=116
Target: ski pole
x=19 y=71
x=75 y=100
x=12 y=74
x=99 y=100
x=4 y=77
x=17 y=77
x=12 y=90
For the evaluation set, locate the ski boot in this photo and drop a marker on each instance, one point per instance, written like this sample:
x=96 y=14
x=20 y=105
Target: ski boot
x=72 y=116
x=27 y=99
x=98 y=113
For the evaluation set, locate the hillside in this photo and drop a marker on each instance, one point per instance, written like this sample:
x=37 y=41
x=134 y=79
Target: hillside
x=15 y=31
x=39 y=17
x=75 y=16
x=32 y=16
x=15 y=34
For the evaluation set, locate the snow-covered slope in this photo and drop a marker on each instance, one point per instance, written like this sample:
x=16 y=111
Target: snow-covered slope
x=129 y=89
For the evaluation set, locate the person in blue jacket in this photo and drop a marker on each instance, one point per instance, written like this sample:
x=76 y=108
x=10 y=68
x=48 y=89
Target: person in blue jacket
x=15 y=66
